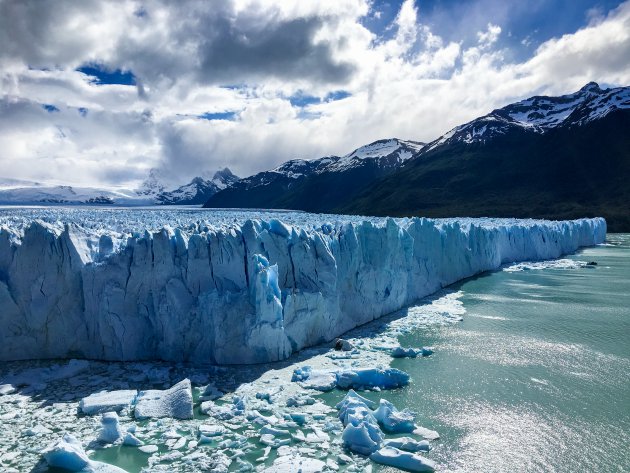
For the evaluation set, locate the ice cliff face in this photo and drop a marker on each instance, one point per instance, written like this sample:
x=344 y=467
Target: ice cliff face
x=253 y=292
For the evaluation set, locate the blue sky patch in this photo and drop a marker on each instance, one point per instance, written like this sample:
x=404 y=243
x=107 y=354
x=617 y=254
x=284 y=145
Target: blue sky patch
x=337 y=95
x=218 y=116
x=50 y=108
x=303 y=100
x=106 y=76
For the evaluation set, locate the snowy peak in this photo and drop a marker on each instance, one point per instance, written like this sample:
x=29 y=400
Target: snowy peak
x=153 y=184
x=199 y=190
x=385 y=154
x=540 y=114
x=223 y=178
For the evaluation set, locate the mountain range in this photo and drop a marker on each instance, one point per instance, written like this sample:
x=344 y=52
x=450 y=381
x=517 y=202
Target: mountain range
x=543 y=157
x=151 y=192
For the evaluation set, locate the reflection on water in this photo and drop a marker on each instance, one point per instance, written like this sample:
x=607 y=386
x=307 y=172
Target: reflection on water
x=537 y=376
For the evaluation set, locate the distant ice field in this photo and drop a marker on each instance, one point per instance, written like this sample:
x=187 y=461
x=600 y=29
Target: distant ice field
x=194 y=219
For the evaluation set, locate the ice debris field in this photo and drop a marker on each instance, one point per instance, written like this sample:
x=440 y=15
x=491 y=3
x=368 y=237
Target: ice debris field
x=99 y=416
x=225 y=288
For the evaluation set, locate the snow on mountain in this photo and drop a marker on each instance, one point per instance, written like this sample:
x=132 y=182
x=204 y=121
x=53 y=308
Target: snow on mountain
x=42 y=194
x=152 y=191
x=153 y=184
x=245 y=291
x=385 y=154
x=199 y=190
x=540 y=114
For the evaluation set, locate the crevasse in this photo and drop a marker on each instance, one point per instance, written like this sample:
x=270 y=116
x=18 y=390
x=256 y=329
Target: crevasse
x=252 y=293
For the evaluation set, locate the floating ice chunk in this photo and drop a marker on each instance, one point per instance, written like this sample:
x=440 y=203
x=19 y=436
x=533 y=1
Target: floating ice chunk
x=391 y=456
x=392 y=420
x=426 y=433
x=272 y=441
x=320 y=380
x=275 y=432
x=107 y=401
x=6 y=389
x=353 y=394
x=401 y=352
x=408 y=444
x=344 y=459
x=369 y=378
x=298 y=417
x=300 y=400
x=150 y=449
x=176 y=402
x=295 y=464
x=131 y=440
x=37 y=430
x=361 y=434
x=69 y=454
x=110 y=428
x=364 y=438
x=209 y=430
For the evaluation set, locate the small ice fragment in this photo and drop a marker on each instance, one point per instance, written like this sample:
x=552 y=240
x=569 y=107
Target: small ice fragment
x=37 y=430
x=408 y=444
x=406 y=461
x=295 y=464
x=6 y=389
x=176 y=402
x=426 y=433
x=110 y=428
x=363 y=438
x=148 y=449
x=392 y=420
x=320 y=380
x=369 y=378
x=68 y=453
x=131 y=440
x=210 y=430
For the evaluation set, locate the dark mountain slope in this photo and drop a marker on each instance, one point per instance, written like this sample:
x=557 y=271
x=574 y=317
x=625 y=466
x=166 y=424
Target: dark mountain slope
x=317 y=185
x=576 y=170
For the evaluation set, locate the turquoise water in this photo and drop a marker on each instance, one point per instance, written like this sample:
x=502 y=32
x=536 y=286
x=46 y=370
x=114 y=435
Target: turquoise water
x=537 y=376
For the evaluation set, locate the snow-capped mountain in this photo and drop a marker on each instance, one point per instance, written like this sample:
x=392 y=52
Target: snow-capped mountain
x=540 y=114
x=547 y=157
x=301 y=184
x=45 y=194
x=152 y=185
x=152 y=191
x=199 y=190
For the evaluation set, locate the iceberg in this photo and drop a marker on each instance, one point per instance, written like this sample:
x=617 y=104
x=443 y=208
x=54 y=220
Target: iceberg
x=110 y=428
x=107 y=401
x=391 y=456
x=128 y=286
x=176 y=402
x=392 y=420
x=69 y=455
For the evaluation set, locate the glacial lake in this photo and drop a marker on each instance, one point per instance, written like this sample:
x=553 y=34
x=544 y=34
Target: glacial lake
x=536 y=377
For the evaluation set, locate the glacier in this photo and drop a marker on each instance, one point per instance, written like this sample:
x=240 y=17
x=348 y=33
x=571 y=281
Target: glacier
x=118 y=285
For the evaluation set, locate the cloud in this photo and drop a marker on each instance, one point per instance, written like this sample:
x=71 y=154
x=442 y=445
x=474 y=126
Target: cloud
x=248 y=84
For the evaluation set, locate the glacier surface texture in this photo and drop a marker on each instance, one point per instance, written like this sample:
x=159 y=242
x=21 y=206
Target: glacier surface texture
x=236 y=290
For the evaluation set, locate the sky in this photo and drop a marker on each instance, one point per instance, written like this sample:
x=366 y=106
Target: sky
x=97 y=93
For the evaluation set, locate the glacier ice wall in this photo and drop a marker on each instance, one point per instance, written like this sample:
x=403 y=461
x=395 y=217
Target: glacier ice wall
x=250 y=293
